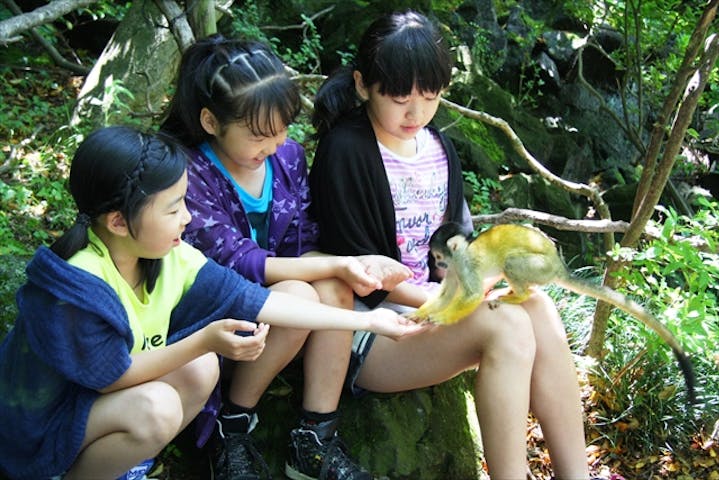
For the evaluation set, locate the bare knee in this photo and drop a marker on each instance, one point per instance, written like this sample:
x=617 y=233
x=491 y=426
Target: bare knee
x=199 y=378
x=297 y=288
x=289 y=339
x=157 y=414
x=545 y=318
x=504 y=334
x=292 y=338
x=335 y=292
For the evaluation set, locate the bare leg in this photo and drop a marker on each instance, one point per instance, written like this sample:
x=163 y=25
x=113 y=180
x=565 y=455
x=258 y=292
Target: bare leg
x=327 y=353
x=130 y=425
x=501 y=341
x=251 y=379
x=555 y=398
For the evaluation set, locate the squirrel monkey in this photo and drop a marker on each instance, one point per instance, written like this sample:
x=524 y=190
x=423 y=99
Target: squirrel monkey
x=524 y=257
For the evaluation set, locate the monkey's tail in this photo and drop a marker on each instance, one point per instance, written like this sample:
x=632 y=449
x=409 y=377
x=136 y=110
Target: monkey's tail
x=631 y=307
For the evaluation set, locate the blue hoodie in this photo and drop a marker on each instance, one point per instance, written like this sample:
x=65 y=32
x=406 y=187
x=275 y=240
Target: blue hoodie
x=72 y=338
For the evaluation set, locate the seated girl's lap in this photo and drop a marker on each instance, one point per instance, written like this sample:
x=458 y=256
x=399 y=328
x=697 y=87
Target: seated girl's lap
x=435 y=355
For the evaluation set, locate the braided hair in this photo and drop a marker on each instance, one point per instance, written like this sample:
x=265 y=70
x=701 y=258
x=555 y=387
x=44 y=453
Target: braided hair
x=236 y=80
x=119 y=169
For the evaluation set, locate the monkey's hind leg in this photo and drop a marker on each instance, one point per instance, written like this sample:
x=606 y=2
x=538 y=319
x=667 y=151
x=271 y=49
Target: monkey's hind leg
x=522 y=272
x=517 y=295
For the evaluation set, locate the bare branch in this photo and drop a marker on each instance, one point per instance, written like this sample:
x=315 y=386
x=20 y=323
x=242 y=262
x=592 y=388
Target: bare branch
x=177 y=20
x=51 y=50
x=589 y=191
x=555 y=221
x=452 y=124
x=518 y=146
x=304 y=78
x=23 y=22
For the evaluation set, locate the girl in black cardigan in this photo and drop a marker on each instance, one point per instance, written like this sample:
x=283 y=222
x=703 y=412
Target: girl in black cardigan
x=381 y=181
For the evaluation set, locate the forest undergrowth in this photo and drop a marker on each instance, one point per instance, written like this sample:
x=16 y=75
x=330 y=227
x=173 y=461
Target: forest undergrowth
x=36 y=148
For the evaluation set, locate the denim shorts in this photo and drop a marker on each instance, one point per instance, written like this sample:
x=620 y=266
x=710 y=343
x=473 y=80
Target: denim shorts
x=361 y=345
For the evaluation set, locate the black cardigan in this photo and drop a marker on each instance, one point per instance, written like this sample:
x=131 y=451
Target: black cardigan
x=351 y=198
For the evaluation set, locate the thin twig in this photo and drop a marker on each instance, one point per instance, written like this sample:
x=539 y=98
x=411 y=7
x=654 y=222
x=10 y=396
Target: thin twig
x=279 y=28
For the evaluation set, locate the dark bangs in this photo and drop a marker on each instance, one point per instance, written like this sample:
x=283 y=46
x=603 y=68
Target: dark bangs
x=260 y=103
x=410 y=57
x=274 y=98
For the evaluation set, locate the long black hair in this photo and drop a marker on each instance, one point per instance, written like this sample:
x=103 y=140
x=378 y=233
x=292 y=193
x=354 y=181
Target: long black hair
x=119 y=169
x=398 y=52
x=235 y=80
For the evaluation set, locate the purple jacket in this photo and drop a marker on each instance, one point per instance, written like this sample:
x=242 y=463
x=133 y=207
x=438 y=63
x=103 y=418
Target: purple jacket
x=220 y=228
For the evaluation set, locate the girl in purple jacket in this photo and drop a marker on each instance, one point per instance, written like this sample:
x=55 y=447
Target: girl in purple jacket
x=248 y=194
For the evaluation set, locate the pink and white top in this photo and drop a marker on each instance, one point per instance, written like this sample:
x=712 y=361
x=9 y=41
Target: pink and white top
x=419 y=186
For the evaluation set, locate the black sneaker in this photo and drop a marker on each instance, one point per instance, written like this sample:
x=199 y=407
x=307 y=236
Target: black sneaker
x=235 y=456
x=312 y=458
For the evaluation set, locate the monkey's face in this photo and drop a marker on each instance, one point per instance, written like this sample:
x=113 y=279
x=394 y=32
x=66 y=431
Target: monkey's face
x=440 y=262
x=443 y=253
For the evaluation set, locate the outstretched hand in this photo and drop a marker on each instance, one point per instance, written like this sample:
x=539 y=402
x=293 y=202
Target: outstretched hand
x=222 y=338
x=416 y=316
x=389 y=323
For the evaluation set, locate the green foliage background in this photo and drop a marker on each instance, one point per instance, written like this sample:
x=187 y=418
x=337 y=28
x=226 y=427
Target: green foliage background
x=669 y=273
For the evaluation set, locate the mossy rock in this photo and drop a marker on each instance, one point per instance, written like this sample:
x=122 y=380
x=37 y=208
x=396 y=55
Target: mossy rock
x=428 y=433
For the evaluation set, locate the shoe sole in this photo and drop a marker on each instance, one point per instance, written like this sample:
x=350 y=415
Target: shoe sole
x=293 y=474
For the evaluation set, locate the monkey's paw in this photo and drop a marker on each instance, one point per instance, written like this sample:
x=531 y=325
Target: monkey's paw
x=416 y=316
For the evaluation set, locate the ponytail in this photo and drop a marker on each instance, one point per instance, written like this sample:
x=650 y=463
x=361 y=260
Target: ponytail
x=73 y=240
x=335 y=98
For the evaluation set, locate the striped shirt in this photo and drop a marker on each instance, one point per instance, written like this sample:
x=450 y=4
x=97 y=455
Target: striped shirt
x=419 y=186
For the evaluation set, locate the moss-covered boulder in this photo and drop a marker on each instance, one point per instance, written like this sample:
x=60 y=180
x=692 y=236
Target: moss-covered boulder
x=429 y=433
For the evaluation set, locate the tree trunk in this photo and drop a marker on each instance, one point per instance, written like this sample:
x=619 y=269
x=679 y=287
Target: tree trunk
x=203 y=18
x=130 y=81
x=666 y=140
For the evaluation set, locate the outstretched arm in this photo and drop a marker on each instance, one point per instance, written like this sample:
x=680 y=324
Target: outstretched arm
x=287 y=310
x=364 y=274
